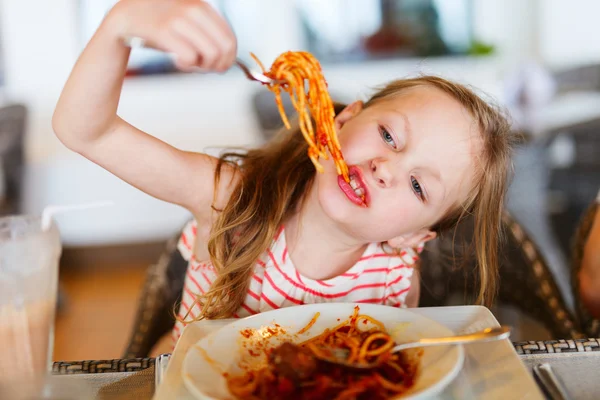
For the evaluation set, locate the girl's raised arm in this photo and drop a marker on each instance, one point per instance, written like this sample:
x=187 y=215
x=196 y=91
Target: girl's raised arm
x=86 y=119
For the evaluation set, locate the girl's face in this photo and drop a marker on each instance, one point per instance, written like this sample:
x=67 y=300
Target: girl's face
x=413 y=158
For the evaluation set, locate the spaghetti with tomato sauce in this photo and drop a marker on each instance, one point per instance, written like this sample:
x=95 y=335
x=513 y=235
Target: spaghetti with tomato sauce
x=298 y=371
x=299 y=74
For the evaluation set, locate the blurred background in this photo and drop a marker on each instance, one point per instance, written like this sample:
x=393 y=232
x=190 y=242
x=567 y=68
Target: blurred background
x=539 y=59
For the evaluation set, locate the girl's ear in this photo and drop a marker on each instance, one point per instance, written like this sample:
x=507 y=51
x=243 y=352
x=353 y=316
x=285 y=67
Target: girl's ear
x=412 y=239
x=347 y=113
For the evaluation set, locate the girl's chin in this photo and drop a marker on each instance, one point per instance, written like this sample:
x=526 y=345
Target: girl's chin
x=337 y=205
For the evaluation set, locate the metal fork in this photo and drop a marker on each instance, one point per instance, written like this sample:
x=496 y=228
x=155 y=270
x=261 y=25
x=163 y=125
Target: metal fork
x=253 y=75
x=340 y=356
x=137 y=42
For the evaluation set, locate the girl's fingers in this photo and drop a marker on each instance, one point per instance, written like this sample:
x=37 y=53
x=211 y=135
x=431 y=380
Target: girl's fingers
x=186 y=56
x=207 y=50
x=210 y=21
x=189 y=29
x=225 y=48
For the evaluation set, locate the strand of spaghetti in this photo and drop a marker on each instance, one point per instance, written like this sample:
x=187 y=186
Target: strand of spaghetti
x=288 y=77
x=256 y=60
x=353 y=345
x=299 y=102
x=310 y=324
x=378 y=324
x=317 y=351
x=330 y=340
x=326 y=333
x=366 y=352
x=314 y=158
x=284 y=118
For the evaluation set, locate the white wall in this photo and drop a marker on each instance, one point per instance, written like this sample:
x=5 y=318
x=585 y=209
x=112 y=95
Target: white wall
x=569 y=32
x=195 y=112
x=509 y=24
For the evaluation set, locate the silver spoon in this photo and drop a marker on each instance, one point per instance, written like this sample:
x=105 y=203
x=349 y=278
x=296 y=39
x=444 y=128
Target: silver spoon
x=137 y=42
x=340 y=356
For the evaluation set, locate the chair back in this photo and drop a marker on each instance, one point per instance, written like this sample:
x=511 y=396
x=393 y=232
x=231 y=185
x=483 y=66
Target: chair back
x=589 y=324
x=12 y=132
x=525 y=281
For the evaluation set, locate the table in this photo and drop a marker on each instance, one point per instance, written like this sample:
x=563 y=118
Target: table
x=574 y=361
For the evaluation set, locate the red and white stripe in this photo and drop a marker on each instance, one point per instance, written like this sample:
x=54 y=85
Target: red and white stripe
x=378 y=278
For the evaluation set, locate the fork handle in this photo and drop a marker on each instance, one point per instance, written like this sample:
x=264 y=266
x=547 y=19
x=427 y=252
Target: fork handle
x=485 y=335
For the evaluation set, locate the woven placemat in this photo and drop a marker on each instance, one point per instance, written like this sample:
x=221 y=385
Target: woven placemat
x=139 y=385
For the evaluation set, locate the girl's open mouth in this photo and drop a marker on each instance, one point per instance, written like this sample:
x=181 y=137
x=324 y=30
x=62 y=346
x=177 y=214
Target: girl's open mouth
x=356 y=191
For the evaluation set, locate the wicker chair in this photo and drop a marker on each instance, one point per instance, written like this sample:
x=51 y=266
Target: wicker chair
x=589 y=325
x=526 y=282
x=13 y=120
x=160 y=294
x=528 y=285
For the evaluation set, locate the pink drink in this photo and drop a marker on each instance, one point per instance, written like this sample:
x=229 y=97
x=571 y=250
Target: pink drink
x=24 y=334
x=28 y=285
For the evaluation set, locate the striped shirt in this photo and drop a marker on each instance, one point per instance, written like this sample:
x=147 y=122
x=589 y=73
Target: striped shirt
x=377 y=277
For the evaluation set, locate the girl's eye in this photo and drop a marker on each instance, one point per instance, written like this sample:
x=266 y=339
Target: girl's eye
x=416 y=187
x=387 y=137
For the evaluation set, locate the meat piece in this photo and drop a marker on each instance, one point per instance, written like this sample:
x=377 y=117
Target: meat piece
x=294 y=362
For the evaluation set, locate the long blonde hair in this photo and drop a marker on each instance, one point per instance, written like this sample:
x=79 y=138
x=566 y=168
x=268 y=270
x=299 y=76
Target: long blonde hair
x=275 y=177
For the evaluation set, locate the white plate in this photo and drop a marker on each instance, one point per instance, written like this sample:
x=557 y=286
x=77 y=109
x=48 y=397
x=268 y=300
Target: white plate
x=439 y=364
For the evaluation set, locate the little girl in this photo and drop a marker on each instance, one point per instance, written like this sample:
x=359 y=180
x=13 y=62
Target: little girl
x=270 y=232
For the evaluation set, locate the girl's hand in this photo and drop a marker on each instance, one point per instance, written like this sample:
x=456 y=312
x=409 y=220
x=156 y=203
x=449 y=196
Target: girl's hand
x=191 y=30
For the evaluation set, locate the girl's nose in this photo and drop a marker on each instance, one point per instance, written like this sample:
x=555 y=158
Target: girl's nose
x=382 y=173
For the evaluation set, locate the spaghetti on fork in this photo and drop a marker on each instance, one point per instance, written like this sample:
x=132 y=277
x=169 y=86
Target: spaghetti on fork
x=303 y=80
